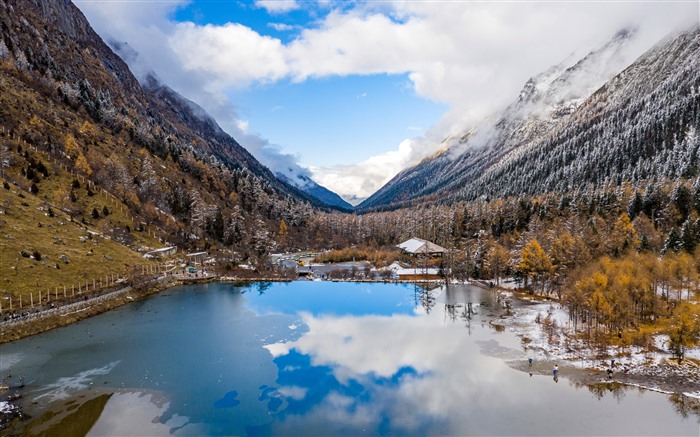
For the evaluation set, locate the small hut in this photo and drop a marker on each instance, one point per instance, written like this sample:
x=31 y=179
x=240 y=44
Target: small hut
x=419 y=247
x=196 y=257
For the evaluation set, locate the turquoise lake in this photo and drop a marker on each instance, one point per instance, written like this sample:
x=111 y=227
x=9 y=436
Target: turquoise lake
x=313 y=358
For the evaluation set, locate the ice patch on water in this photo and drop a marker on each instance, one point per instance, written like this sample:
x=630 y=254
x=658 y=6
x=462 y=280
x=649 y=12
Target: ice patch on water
x=9 y=360
x=62 y=388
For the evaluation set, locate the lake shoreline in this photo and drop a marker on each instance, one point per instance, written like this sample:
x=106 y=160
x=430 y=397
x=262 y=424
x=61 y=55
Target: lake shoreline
x=661 y=375
x=636 y=367
x=52 y=318
x=572 y=374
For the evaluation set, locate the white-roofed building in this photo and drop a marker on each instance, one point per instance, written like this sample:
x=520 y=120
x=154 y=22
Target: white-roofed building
x=418 y=246
x=160 y=253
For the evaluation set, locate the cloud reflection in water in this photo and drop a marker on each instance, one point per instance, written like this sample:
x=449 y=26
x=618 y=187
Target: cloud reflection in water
x=398 y=373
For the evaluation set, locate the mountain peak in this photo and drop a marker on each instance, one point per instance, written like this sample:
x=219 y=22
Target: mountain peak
x=551 y=107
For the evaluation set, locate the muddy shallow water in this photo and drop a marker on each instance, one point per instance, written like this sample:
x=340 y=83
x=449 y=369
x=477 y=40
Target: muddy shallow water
x=315 y=358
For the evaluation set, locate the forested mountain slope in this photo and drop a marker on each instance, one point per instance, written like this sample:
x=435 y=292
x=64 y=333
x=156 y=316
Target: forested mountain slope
x=573 y=128
x=70 y=103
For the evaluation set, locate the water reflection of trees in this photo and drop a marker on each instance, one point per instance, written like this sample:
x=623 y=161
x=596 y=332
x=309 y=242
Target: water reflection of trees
x=600 y=390
x=262 y=287
x=424 y=296
x=685 y=406
x=461 y=311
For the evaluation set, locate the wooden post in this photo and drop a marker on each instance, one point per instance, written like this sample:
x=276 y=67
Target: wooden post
x=10 y=303
x=31 y=298
x=72 y=286
x=93 y=284
x=48 y=296
x=39 y=297
x=20 y=301
x=0 y=306
x=80 y=288
x=64 y=291
x=56 y=293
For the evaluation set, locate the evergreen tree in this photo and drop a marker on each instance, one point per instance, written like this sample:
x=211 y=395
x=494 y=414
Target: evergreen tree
x=682 y=197
x=689 y=235
x=635 y=206
x=673 y=242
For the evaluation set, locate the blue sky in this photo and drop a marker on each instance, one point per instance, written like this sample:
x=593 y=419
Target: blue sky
x=336 y=120
x=352 y=92
x=325 y=121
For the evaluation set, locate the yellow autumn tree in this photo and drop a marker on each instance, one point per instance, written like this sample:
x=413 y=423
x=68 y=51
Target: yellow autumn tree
x=70 y=145
x=534 y=263
x=684 y=275
x=624 y=236
x=283 y=232
x=567 y=253
x=82 y=164
x=684 y=330
x=597 y=302
x=498 y=258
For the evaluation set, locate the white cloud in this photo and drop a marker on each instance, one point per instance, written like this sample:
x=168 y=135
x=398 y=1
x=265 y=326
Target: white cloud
x=472 y=56
x=364 y=178
x=232 y=54
x=242 y=125
x=283 y=27
x=277 y=6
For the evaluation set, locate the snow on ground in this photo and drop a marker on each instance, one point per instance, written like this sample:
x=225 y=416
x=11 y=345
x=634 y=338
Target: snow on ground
x=553 y=340
x=6 y=407
x=509 y=283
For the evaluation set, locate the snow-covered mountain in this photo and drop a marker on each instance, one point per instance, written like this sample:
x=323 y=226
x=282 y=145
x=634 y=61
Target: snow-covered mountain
x=193 y=114
x=310 y=187
x=563 y=103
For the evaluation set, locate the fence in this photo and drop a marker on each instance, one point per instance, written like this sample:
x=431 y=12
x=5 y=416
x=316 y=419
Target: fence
x=38 y=300
x=76 y=305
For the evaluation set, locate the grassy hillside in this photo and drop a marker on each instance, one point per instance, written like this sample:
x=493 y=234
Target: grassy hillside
x=50 y=238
